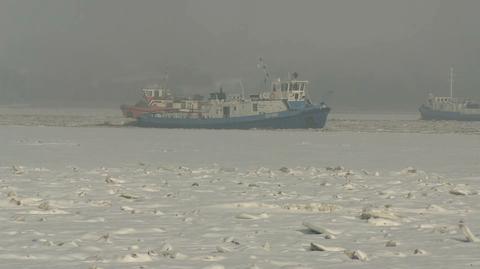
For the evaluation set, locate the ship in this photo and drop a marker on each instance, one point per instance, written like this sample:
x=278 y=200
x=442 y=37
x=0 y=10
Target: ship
x=450 y=108
x=285 y=106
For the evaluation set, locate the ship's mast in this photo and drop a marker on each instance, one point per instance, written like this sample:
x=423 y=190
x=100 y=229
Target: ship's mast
x=165 y=80
x=263 y=66
x=451 y=82
x=243 y=90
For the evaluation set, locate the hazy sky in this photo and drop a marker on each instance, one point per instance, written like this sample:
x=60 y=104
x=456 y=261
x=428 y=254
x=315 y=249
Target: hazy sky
x=373 y=54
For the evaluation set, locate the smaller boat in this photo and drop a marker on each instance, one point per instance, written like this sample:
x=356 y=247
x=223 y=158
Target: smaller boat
x=450 y=108
x=155 y=99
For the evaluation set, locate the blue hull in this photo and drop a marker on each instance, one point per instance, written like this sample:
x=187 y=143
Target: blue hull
x=311 y=117
x=429 y=114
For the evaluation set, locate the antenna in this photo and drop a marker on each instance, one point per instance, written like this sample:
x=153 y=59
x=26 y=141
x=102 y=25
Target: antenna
x=165 y=80
x=262 y=65
x=451 y=82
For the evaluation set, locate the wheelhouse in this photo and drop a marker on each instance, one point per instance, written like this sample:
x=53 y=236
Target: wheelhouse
x=293 y=90
x=156 y=93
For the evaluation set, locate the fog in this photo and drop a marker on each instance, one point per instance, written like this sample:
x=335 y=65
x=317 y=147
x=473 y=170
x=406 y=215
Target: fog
x=373 y=55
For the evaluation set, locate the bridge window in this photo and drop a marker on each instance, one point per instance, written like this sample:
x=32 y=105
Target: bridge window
x=295 y=86
x=255 y=107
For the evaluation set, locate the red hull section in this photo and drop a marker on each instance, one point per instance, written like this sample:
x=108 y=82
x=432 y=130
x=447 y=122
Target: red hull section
x=137 y=111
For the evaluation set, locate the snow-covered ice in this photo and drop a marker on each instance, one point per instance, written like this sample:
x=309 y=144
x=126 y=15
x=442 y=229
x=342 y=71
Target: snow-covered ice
x=96 y=197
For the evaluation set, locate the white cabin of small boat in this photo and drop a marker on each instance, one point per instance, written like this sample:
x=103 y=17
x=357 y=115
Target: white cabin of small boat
x=156 y=96
x=156 y=92
x=452 y=104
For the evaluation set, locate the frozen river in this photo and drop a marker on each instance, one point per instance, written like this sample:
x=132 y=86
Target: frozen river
x=125 y=197
x=99 y=146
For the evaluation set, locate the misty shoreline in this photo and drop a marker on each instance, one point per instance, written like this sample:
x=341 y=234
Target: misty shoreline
x=337 y=122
